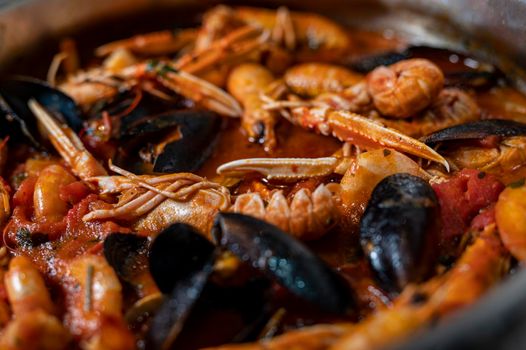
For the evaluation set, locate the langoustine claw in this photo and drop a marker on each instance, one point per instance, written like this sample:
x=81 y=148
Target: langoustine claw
x=284 y=169
x=67 y=143
x=359 y=130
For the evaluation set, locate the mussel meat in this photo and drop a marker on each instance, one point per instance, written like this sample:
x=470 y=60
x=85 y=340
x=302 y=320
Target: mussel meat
x=184 y=140
x=284 y=260
x=399 y=230
x=18 y=120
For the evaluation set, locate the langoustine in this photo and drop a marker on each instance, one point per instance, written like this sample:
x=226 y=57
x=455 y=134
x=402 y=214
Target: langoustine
x=155 y=202
x=423 y=105
x=148 y=203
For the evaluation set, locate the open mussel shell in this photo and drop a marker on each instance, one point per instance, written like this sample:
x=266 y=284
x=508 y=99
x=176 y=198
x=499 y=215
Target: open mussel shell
x=19 y=120
x=398 y=231
x=124 y=251
x=176 y=253
x=174 y=141
x=177 y=307
x=182 y=262
x=477 y=130
x=283 y=259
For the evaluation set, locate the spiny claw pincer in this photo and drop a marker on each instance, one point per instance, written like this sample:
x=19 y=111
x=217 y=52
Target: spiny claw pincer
x=351 y=127
x=67 y=144
x=285 y=169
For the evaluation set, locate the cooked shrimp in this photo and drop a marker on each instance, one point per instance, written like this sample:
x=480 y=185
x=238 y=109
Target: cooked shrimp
x=95 y=303
x=88 y=92
x=405 y=88
x=47 y=203
x=313 y=79
x=25 y=287
x=34 y=326
x=35 y=330
x=510 y=215
x=246 y=83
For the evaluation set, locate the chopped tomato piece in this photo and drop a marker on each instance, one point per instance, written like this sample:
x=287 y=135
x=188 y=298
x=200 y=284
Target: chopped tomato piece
x=485 y=218
x=462 y=197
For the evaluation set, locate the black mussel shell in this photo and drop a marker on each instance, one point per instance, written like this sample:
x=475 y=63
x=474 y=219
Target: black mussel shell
x=459 y=69
x=177 y=307
x=181 y=261
x=176 y=253
x=18 y=118
x=477 y=130
x=399 y=231
x=370 y=62
x=124 y=251
x=474 y=79
x=283 y=259
x=197 y=132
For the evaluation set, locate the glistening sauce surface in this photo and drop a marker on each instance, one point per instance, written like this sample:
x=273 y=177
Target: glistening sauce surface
x=339 y=247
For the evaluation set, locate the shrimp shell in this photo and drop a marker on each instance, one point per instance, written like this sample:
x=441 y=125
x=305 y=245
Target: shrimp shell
x=307 y=216
x=405 y=88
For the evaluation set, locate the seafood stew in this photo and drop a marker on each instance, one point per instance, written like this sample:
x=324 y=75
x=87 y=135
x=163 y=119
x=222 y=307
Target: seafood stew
x=263 y=180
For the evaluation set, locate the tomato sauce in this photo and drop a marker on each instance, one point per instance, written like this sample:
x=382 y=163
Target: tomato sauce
x=462 y=198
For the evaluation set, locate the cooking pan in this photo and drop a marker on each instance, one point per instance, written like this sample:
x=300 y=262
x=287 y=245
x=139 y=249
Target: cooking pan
x=493 y=30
